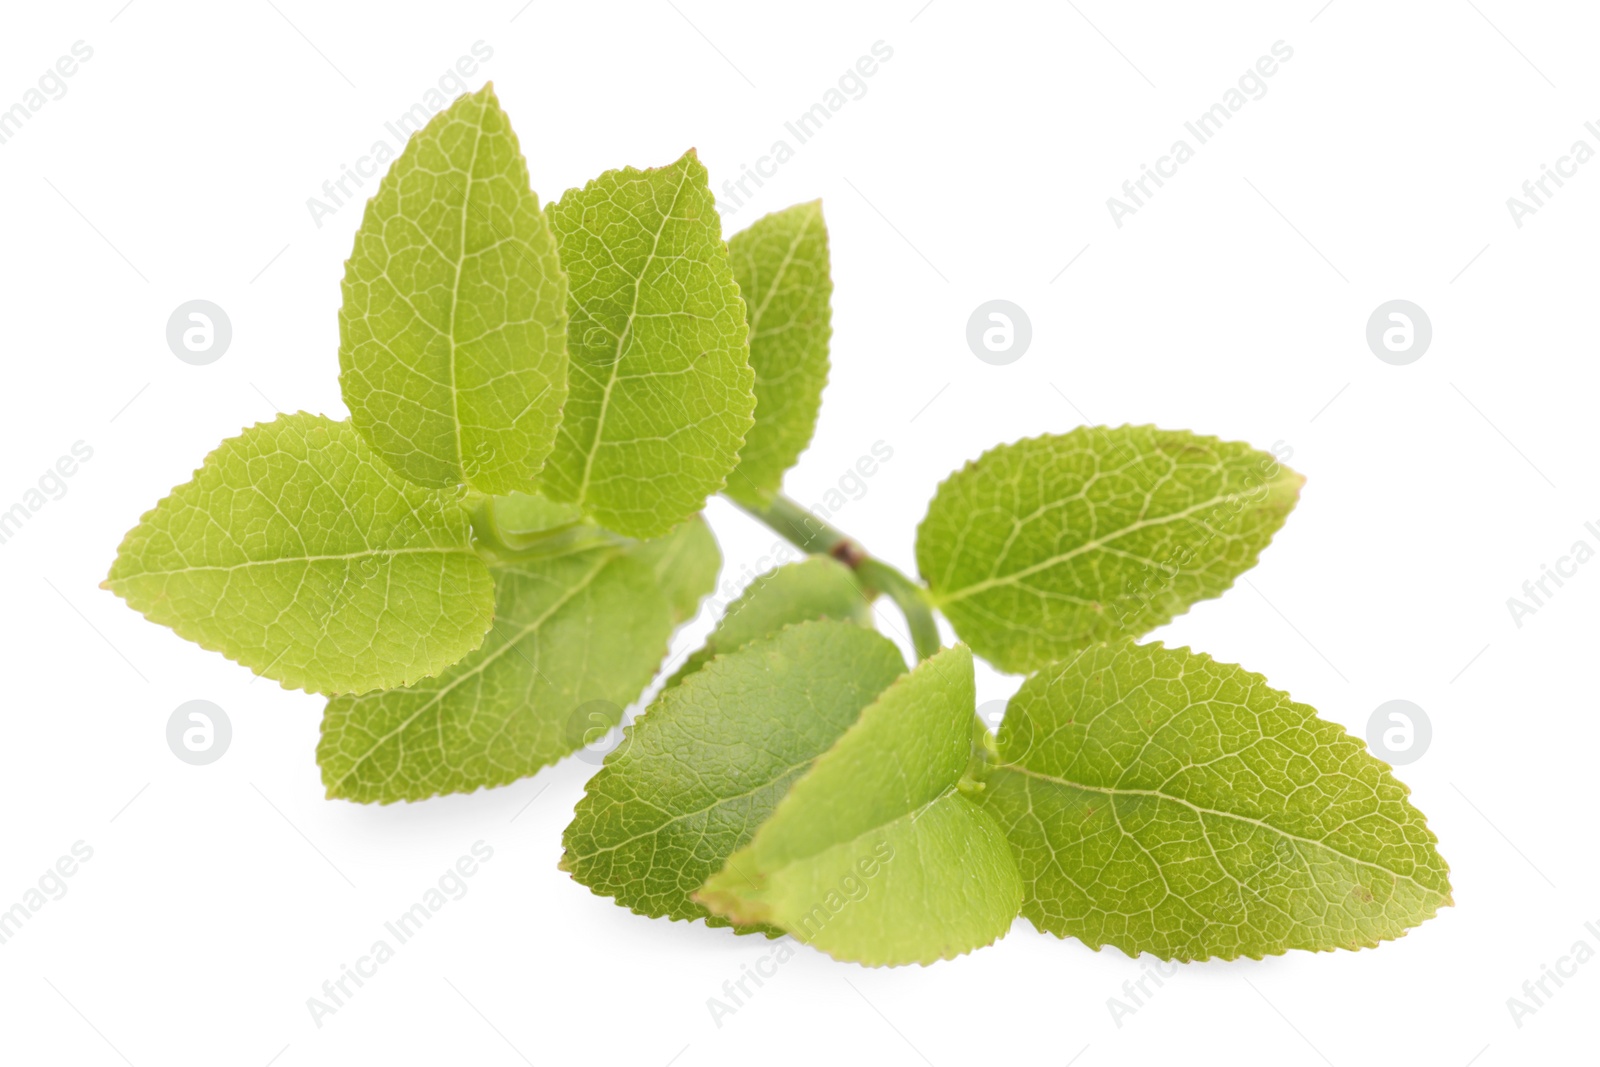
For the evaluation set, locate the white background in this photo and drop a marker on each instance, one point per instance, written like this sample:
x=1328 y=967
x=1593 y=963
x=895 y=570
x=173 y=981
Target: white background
x=977 y=165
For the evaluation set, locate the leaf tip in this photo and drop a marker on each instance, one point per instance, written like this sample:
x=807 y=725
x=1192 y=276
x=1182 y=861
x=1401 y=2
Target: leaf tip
x=727 y=904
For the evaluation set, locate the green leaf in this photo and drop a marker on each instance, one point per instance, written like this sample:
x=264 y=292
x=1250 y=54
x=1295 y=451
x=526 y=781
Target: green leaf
x=877 y=856
x=575 y=639
x=661 y=386
x=781 y=264
x=298 y=553
x=453 y=330
x=522 y=526
x=712 y=757
x=684 y=565
x=1038 y=549
x=522 y=518
x=1160 y=801
x=816 y=588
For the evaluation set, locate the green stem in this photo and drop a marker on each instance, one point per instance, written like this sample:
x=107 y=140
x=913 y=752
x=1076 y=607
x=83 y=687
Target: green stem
x=910 y=597
x=811 y=534
x=498 y=544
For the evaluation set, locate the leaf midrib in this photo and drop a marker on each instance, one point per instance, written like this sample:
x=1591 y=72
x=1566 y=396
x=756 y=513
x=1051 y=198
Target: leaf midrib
x=476 y=669
x=455 y=296
x=778 y=276
x=366 y=554
x=788 y=773
x=1088 y=546
x=1114 y=791
x=913 y=814
x=622 y=339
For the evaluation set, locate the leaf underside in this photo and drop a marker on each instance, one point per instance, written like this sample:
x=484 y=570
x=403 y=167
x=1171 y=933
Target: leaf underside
x=575 y=640
x=706 y=765
x=1162 y=802
x=876 y=856
x=816 y=588
x=1037 y=549
x=298 y=553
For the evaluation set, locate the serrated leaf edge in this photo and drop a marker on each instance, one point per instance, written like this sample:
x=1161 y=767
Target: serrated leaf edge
x=1446 y=901
x=734 y=902
x=564 y=864
x=766 y=495
x=971 y=464
x=749 y=374
x=209 y=647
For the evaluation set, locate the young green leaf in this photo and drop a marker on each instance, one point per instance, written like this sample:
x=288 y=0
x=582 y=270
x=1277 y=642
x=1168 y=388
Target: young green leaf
x=575 y=638
x=711 y=759
x=297 y=552
x=877 y=856
x=519 y=519
x=781 y=264
x=1037 y=549
x=814 y=588
x=661 y=386
x=523 y=526
x=1160 y=801
x=453 y=331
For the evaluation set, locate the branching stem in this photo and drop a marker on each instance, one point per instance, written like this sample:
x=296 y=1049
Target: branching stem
x=811 y=534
